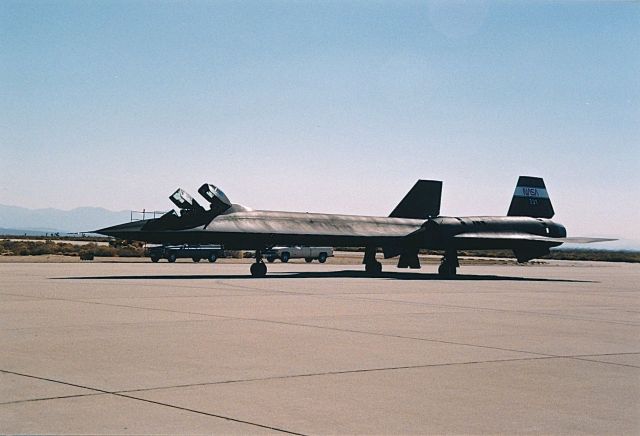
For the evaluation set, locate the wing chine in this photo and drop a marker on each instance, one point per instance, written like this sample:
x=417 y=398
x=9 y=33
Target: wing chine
x=529 y=237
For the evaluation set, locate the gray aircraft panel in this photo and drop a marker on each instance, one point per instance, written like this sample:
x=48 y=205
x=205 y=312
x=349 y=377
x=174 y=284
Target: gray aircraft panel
x=296 y=223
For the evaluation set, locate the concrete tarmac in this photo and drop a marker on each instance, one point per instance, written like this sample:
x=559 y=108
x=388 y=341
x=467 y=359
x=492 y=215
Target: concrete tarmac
x=134 y=348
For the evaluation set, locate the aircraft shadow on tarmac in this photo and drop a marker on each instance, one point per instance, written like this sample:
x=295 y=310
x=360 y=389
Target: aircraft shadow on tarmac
x=329 y=275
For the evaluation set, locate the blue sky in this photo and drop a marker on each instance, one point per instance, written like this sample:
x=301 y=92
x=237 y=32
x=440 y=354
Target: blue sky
x=328 y=106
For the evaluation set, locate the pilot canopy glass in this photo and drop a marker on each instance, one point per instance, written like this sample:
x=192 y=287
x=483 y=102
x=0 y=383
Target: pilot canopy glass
x=184 y=201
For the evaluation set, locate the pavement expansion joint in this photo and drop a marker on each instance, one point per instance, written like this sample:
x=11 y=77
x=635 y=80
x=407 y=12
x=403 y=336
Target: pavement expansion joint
x=135 y=280
x=332 y=373
x=98 y=391
x=303 y=325
x=123 y=393
x=606 y=363
x=492 y=309
x=200 y=412
x=393 y=368
x=61 y=397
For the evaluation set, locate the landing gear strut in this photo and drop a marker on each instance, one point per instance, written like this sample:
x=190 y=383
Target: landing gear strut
x=371 y=265
x=449 y=264
x=258 y=269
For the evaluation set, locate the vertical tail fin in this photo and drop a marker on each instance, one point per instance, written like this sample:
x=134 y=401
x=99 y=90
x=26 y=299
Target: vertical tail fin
x=421 y=202
x=531 y=199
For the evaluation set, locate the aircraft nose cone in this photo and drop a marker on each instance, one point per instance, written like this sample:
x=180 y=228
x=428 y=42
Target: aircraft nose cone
x=123 y=231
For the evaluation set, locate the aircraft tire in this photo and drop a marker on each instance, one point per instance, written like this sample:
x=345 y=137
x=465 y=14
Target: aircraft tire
x=258 y=269
x=284 y=257
x=446 y=270
x=374 y=268
x=322 y=258
x=172 y=257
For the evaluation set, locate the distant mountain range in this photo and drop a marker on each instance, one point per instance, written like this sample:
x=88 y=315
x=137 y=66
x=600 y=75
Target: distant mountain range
x=19 y=220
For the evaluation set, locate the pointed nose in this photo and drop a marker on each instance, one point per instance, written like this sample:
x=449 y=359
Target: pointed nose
x=124 y=231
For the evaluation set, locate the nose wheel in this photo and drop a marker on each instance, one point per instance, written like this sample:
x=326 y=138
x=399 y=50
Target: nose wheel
x=259 y=268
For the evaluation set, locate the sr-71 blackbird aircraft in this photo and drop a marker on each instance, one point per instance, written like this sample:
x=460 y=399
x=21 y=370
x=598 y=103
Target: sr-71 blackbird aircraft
x=414 y=224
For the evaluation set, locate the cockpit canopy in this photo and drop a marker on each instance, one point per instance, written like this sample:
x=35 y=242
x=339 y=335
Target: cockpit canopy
x=191 y=210
x=185 y=202
x=219 y=202
x=191 y=213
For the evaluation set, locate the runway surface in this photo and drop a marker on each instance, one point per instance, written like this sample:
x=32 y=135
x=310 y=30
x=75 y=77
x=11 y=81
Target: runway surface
x=117 y=348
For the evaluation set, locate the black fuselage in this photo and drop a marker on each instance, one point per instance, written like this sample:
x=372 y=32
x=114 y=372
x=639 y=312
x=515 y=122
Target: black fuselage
x=250 y=230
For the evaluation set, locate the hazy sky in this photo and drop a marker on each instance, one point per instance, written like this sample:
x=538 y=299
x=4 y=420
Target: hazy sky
x=327 y=106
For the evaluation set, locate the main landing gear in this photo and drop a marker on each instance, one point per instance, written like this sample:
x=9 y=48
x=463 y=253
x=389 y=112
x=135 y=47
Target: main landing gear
x=259 y=268
x=371 y=265
x=449 y=264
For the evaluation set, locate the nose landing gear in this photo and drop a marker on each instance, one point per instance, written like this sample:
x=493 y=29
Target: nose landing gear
x=259 y=268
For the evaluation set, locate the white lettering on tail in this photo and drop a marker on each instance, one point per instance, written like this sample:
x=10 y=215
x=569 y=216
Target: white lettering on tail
x=529 y=192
